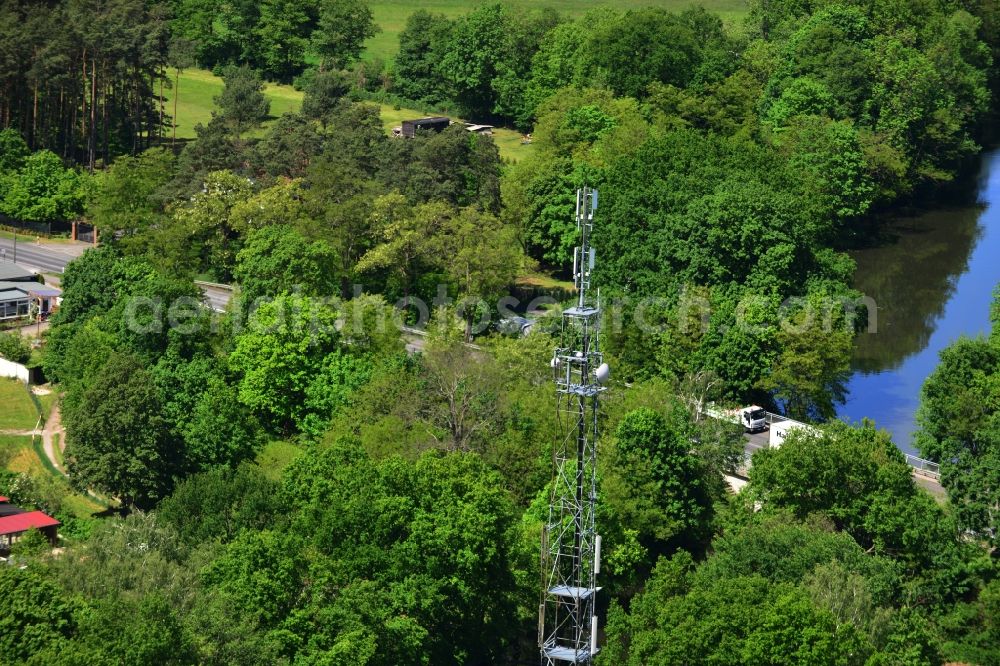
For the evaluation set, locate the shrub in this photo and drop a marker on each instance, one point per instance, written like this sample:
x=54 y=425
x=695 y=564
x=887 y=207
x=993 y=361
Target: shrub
x=14 y=348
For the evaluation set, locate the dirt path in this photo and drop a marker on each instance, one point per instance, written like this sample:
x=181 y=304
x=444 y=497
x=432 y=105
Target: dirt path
x=32 y=330
x=53 y=425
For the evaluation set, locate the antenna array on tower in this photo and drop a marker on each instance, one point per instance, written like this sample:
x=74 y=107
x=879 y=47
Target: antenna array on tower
x=571 y=547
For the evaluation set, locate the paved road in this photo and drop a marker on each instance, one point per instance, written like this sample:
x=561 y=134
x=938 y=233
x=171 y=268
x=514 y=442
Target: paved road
x=933 y=486
x=43 y=257
x=32 y=330
x=756 y=440
x=53 y=257
x=217 y=295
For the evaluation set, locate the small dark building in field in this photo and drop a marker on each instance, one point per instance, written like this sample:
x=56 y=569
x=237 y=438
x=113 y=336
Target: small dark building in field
x=434 y=124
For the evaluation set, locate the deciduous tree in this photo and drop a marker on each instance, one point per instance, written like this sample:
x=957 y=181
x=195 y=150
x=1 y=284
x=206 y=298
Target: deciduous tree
x=422 y=44
x=277 y=260
x=808 y=376
x=960 y=428
x=838 y=471
x=483 y=259
x=13 y=151
x=43 y=190
x=125 y=196
x=343 y=28
x=204 y=236
x=280 y=37
x=117 y=442
x=279 y=354
x=325 y=90
x=654 y=482
x=34 y=614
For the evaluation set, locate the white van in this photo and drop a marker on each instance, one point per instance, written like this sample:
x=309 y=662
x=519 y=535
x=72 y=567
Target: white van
x=753 y=418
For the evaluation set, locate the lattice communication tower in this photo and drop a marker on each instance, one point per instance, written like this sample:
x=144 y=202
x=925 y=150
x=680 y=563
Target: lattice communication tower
x=571 y=547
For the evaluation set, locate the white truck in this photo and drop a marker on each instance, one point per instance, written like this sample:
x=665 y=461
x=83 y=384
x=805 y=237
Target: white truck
x=753 y=418
x=780 y=430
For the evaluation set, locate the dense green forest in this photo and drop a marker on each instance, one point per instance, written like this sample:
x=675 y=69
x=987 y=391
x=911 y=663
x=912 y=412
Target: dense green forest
x=293 y=482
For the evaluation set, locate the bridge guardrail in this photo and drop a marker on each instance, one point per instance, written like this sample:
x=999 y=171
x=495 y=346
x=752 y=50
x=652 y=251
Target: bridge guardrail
x=216 y=285
x=925 y=467
x=775 y=418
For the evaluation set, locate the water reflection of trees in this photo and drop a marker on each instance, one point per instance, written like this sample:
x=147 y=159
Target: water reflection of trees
x=911 y=277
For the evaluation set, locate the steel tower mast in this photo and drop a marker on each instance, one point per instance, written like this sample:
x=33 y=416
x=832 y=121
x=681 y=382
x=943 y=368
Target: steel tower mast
x=571 y=548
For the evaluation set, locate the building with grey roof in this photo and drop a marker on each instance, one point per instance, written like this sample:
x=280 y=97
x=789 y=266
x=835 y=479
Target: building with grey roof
x=20 y=289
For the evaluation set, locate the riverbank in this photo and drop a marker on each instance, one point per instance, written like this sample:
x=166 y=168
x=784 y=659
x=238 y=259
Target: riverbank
x=932 y=280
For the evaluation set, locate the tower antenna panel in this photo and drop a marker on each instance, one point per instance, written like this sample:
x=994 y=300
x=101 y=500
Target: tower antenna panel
x=571 y=547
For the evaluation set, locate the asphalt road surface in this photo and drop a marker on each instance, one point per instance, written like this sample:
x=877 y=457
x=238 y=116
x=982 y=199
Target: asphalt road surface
x=216 y=295
x=53 y=257
x=756 y=440
x=42 y=257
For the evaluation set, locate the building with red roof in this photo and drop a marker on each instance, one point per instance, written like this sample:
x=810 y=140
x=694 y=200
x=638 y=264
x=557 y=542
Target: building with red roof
x=14 y=526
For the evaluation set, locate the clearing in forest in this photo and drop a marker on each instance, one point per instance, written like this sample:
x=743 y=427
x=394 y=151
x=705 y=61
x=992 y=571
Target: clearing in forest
x=199 y=88
x=391 y=15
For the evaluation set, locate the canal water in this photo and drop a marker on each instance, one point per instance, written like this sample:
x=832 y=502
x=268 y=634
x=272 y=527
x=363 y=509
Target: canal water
x=932 y=281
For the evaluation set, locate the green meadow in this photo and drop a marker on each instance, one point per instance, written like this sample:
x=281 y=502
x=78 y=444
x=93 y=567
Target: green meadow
x=391 y=15
x=199 y=88
x=22 y=453
x=19 y=412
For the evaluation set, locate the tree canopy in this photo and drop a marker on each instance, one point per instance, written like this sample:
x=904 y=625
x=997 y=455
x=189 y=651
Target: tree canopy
x=301 y=480
x=958 y=428
x=117 y=440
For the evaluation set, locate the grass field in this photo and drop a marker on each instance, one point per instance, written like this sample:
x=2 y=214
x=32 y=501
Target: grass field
x=16 y=450
x=82 y=506
x=276 y=456
x=507 y=140
x=23 y=453
x=391 y=15
x=45 y=401
x=57 y=450
x=29 y=237
x=17 y=411
x=199 y=88
x=543 y=281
